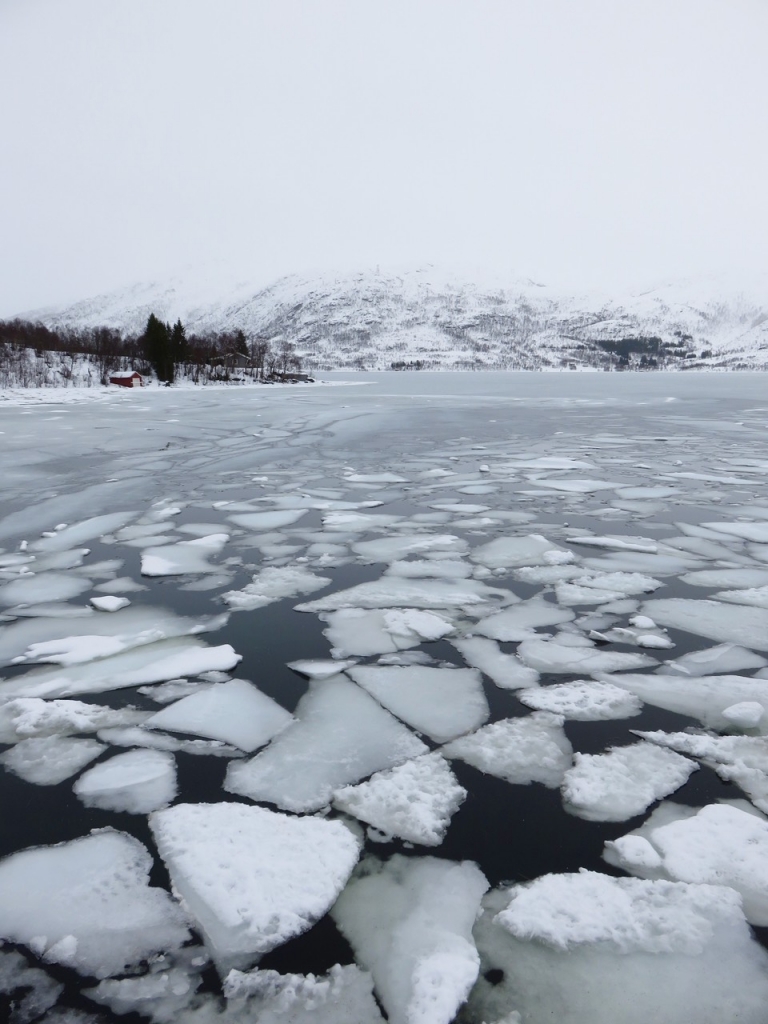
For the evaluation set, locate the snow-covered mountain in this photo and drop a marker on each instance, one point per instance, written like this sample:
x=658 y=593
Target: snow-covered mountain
x=373 y=319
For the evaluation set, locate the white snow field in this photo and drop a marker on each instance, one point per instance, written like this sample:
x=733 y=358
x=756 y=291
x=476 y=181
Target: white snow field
x=488 y=619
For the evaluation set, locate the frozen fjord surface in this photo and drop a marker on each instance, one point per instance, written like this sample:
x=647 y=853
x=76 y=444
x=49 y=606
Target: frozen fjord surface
x=522 y=451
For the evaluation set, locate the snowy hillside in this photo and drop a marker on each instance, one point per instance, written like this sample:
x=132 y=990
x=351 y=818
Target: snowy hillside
x=370 y=320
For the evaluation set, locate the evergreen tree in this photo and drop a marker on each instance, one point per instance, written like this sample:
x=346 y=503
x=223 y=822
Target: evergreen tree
x=156 y=343
x=241 y=344
x=179 y=347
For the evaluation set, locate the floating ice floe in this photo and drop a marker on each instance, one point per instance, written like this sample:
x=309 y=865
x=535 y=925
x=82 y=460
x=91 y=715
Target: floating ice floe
x=234 y=712
x=252 y=878
x=320 y=668
x=601 y=949
x=509 y=552
x=718 y=844
x=49 y=760
x=138 y=782
x=442 y=703
x=188 y=556
x=713 y=619
x=553 y=656
x=519 y=750
x=393 y=592
x=642 y=637
x=343 y=996
x=340 y=735
x=273 y=584
x=506 y=670
x=31 y=991
x=520 y=622
x=78 y=533
x=121 y=585
x=389 y=549
x=44 y=586
x=418 y=568
x=414 y=801
x=357 y=631
x=757 y=597
x=757 y=532
x=110 y=603
x=714 y=578
x=583 y=700
x=32 y=716
x=152 y=663
x=639 y=544
x=274 y=520
x=410 y=922
x=175 y=689
x=624 y=782
x=701 y=697
x=136 y=736
x=87 y=904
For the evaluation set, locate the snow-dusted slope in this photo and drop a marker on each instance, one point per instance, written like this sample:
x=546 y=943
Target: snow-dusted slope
x=373 y=319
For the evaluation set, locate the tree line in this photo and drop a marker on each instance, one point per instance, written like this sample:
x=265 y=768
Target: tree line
x=165 y=349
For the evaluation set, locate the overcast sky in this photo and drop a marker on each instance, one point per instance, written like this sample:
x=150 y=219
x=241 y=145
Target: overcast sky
x=589 y=142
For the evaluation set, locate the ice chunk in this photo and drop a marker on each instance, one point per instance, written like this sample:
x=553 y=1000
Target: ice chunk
x=137 y=782
x=508 y=552
x=623 y=582
x=747 y=714
x=31 y=990
x=355 y=631
x=714 y=660
x=548 y=656
x=757 y=532
x=32 y=716
x=713 y=619
x=414 y=801
x=86 y=904
x=442 y=703
x=718 y=845
x=393 y=592
x=343 y=996
x=77 y=534
x=273 y=584
x=175 y=689
x=705 y=698
x=713 y=578
x=340 y=735
x=274 y=520
x=188 y=556
x=122 y=585
x=444 y=568
x=44 y=586
x=110 y=603
x=410 y=923
x=518 y=750
x=234 y=712
x=582 y=700
x=252 y=878
x=519 y=622
x=624 y=782
x=757 y=597
x=640 y=544
x=388 y=549
x=573 y=594
x=319 y=668
x=592 y=949
x=136 y=736
x=505 y=670
x=48 y=760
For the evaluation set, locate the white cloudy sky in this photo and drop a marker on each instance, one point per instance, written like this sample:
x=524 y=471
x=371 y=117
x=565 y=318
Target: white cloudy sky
x=582 y=141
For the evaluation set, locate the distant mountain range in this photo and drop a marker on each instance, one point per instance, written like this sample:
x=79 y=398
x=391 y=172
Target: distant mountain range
x=441 y=320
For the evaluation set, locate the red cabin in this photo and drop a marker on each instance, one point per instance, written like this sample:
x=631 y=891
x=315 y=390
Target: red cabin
x=127 y=379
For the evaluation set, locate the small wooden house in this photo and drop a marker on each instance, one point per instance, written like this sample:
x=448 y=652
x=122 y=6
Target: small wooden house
x=127 y=379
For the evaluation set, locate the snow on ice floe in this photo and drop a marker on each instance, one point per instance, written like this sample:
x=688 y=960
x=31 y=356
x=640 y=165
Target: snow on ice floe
x=518 y=750
x=44 y=586
x=701 y=697
x=442 y=703
x=624 y=782
x=152 y=663
x=340 y=735
x=49 y=760
x=712 y=619
x=343 y=996
x=409 y=921
x=599 y=948
x=187 y=556
x=718 y=845
x=506 y=670
x=414 y=801
x=109 y=603
x=554 y=656
x=392 y=592
x=234 y=712
x=138 y=782
x=722 y=659
x=273 y=584
x=510 y=552
x=361 y=632
x=27 y=717
x=252 y=878
x=87 y=904
x=273 y=520
x=583 y=700
x=520 y=621
x=757 y=597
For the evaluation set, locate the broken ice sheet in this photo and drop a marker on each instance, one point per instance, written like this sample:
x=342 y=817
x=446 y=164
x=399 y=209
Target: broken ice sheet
x=138 y=782
x=49 y=760
x=340 y=735
x=623 y=782
x=713 y=619
x=409 y=921
x=272 y=520
x=32 y=716
x=235 y=712
x=87 y=904
x=44 y=586
x=718 y=844
x=392 y=548
x=252 y=878
x=414 y=801
x=31 y=990
x=519 y=750
x=554 y=656
x=713 y=661
x=520 y=621
x=582 y=700
x=274 y=584
x=509 y=552
x=361 y=632
x=506 y=670
x=187 y=556
x=442 y=703
x=393 y=592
